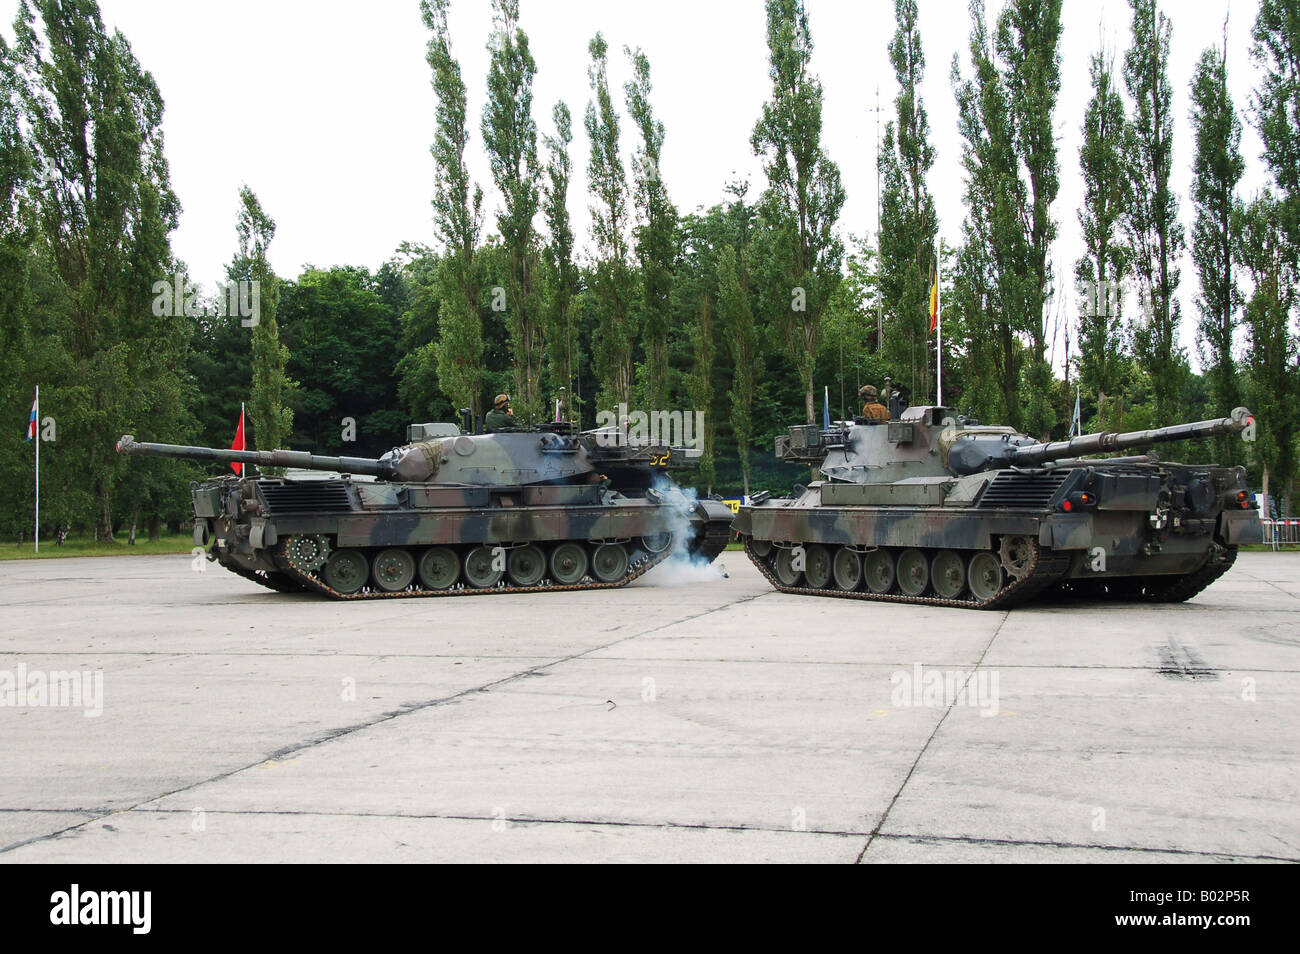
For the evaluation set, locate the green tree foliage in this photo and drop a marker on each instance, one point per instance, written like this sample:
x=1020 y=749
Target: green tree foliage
x=1276 y=52
x=458 y=219
x=654 y=232
x=741 y=334
x=343 y=340
x=613 y=280
x=1101 y=271
x=1216 y=170
x=268 y=412
x=1266 y=252
x=102 y=218
x=510 y=135
x=804 y=196
x=562 y=347
x=908 y=224
x=1155 y=233
x=1006 y=111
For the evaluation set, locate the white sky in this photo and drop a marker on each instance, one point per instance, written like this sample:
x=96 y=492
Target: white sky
x=325 y=108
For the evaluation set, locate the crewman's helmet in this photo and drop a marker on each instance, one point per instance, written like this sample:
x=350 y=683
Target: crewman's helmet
x=501 y=400
x=867 y=392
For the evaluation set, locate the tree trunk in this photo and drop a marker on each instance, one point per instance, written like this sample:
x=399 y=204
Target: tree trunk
x=155 y=528
x=135 y=519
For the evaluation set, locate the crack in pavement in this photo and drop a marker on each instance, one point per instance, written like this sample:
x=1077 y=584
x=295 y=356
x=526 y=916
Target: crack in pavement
x=329 y=736
x=1006 y=615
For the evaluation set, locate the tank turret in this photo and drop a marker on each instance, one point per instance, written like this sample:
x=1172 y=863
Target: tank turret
x=933 y=507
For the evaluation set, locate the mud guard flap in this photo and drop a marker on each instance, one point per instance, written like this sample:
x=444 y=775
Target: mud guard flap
x=1240 y=527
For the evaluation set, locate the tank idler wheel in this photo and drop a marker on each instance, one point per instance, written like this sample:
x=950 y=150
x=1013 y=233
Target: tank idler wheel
x=948 y=574
x=761 y=548
x=527 y=566
x=481 y=568
x=609 y=562
x=783 y=566
x=878 y=568
x=817 y=571
x=568 y=563
x=913 y=572
x=347 y=570
x=393 y=570
x=439 y=568
x=308 y=551
x=848 y=569
x=984 y=576
x=657 y=543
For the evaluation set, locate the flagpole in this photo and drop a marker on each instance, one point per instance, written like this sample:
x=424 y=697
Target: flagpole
x=938 y=318
x=36 y=438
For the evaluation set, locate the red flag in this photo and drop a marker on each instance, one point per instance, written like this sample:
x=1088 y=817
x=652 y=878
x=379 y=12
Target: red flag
x=238 y=443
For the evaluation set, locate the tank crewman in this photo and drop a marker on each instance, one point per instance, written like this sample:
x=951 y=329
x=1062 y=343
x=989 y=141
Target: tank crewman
x=501 y=416
x=872 y=409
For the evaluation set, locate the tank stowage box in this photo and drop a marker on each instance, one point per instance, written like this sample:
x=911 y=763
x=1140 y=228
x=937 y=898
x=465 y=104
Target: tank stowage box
x=452 y=514
x=933 y=508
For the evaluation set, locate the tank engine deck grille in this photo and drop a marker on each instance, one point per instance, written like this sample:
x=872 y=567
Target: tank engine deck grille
x=317 y=496
x=1011 y=489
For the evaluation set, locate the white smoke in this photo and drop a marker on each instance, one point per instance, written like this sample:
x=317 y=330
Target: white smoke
x=682 y=567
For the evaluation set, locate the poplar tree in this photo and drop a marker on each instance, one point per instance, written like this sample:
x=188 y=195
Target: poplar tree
x=908 y=223
x=654 y=231
x=1155 y=233
x=1216 y=169
x=103 y=216
x=612 y=348
x=271 y=419
x=458 y=219
x=510 y=137
x=804 y=196
x=741 y=334
x=561 y=272
x=1101 y=271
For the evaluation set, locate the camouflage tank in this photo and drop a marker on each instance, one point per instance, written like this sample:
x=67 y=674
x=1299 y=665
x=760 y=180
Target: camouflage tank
x=933 y=508
x=452 y=514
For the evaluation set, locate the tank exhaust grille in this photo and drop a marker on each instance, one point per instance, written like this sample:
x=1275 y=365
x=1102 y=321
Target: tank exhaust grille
x=316 y=496
x=1022 y=491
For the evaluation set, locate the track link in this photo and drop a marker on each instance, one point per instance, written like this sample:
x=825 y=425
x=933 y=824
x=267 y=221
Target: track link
x=1047 y=568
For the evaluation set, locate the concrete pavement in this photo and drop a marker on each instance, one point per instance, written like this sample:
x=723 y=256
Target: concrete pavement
x=673 y=720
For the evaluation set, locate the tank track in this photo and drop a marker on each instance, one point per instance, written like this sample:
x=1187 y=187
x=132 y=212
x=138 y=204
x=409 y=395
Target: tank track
x=308 y=581
x=272 y=580
x=712 y=540
x=1047 y=568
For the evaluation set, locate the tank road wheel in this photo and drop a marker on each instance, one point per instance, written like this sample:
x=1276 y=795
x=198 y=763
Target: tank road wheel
x=657 y=543
x=848 y=569
x=527 y=566
x=984 y=576
x=439 y=567
x=817 y=571
x=913 y=572
x=948 y=574
x=609 y=562
x=783 y=565
x=878 y=568
x=568 y=563
x=347 y=571
x=479 y=572
x=761 y=548
x=393 y=570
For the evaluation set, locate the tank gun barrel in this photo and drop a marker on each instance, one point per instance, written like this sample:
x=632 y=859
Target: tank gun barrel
x=1105 y=441
x=272 y=458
